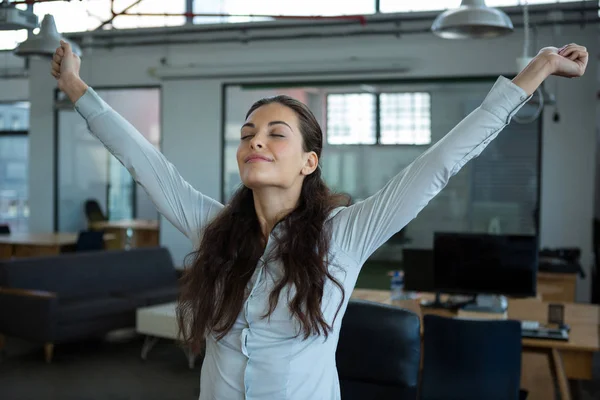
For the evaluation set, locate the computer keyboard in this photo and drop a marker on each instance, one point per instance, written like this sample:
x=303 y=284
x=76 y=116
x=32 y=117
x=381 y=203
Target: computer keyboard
x=545 y=333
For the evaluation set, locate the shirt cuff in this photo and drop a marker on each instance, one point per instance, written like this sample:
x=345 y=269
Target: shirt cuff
x=505 y=99
x=90 y=104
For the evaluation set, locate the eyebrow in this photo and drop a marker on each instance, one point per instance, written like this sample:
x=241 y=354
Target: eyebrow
x=251 y=125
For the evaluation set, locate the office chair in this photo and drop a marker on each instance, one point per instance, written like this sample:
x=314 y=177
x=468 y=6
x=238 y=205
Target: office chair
x=4 y=230
x=93 y=212
x=90 y=241
x=378 y=352
x=471 y=359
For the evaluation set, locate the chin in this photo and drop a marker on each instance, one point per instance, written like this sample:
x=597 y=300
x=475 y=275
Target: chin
x=257 y=181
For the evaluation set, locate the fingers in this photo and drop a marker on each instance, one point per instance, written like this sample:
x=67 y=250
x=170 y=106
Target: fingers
x=66 y=48
x=575 y=55
x=568 y=50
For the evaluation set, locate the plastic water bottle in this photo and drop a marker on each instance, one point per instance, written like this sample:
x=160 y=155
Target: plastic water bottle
x=397 y=285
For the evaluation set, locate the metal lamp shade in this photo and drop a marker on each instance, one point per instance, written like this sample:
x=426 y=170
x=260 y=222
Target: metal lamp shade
x=45 y=42
x=472 y=20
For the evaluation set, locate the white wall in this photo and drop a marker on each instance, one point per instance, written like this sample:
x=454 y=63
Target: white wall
x=192 y=142
x=192 y=112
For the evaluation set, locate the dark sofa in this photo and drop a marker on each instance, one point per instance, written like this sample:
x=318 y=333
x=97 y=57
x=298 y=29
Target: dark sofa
x=74 y=296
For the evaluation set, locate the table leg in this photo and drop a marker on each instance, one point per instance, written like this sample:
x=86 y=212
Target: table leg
x=149 y=343
x=558 y=371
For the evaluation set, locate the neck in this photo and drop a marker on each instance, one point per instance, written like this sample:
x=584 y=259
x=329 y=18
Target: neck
x=272 y=204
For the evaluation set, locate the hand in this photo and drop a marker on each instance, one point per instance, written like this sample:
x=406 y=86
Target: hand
x=569 y=61
x=65 y=68
x=65 y=64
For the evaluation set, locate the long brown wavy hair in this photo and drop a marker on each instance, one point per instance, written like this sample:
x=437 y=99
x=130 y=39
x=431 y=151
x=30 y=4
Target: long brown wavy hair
x=214 y=286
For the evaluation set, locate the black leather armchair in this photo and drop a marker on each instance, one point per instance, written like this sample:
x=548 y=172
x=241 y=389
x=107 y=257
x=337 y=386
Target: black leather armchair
x=378 y=352
x=471 y=359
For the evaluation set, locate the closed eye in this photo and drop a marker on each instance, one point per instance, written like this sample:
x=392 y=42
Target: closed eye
x=246 y=137
x=277 y=135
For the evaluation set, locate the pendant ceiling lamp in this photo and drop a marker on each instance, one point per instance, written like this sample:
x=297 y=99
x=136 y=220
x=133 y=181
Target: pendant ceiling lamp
x=45 y=42
x=472 y=20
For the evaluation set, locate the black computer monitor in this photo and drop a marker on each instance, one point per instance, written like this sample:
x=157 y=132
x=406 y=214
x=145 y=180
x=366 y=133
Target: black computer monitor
x=417 y=265
x=474 y=263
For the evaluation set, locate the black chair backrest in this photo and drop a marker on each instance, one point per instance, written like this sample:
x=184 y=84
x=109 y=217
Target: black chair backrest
x=4 y=230
x=378 y=352
x=90 y=241
x=93 y=212
x=470 y=359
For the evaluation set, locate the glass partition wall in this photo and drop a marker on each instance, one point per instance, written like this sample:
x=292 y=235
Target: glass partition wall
x=87 y=171
x=373 y=130
x=14 y=162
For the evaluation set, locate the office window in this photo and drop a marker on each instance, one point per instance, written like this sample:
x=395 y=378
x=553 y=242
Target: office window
x=393 y=6
x=351 y=118
x=405 y=118
x=245 y=9
x=14 y=209
x=14 y=161
x=87 y=170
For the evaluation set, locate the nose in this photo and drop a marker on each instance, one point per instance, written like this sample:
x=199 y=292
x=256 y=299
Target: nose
x=256 y=142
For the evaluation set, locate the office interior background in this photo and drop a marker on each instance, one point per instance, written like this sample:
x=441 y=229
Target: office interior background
x=381 y=84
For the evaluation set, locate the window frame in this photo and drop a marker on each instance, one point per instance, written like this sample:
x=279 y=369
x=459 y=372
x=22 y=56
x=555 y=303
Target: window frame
x=377 y=118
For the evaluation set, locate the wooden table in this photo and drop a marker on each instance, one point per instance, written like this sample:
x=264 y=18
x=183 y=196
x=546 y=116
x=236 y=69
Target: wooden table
x=130 y=233
x=544 y=361
x=38 y=244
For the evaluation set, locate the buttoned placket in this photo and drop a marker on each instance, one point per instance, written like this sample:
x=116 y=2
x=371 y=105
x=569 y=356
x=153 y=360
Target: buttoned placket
x=244 y=338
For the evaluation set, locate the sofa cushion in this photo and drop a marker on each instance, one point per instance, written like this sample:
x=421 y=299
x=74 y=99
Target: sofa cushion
x=67 y=275
x=141 y=269
x=92 y=274
x=70 y=310
x=149 y=297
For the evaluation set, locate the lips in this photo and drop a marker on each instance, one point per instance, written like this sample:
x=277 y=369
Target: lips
x=257 y=158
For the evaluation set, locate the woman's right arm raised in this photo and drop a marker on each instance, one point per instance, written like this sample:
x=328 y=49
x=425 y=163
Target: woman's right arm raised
x=186 y=208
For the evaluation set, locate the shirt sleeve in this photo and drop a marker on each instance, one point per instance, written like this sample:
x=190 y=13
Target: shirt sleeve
x=364 y=226
x=186 y=208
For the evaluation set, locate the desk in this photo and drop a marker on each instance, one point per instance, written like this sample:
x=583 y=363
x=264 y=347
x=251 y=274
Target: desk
x=38 y=244
x=130 y=233
x=544 y=361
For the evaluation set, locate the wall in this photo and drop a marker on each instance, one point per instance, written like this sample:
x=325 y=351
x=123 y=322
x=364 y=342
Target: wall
x=192 y=112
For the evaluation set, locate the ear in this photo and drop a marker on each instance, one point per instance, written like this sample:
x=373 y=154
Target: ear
x=311 y=163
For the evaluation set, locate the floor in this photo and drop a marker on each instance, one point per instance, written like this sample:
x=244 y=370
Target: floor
x=101 y=370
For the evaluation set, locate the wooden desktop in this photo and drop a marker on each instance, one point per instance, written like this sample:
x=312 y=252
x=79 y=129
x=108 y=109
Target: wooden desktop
x=39 y=244
x=143 y=233
x=544 y=361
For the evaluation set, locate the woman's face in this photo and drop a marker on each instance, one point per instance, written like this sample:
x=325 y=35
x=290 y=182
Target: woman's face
x=271 y=151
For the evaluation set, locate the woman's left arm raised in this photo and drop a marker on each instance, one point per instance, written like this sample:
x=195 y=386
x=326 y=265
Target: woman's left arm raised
x=361 y=228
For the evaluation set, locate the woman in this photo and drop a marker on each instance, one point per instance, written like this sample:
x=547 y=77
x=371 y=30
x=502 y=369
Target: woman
x=274 y=269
